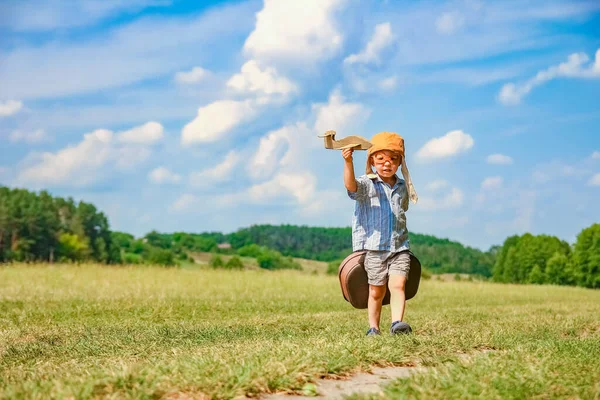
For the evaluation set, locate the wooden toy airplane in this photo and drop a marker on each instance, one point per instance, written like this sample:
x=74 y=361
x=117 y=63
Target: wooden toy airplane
x=356 y=142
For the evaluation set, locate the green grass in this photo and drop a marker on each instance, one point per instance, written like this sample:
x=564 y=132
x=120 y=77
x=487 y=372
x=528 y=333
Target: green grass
x=143 y=332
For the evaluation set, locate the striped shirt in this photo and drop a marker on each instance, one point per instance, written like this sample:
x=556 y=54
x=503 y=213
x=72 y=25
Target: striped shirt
x=379 y=222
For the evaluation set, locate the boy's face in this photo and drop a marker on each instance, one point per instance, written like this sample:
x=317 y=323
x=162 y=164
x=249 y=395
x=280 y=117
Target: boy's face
x=386 y=162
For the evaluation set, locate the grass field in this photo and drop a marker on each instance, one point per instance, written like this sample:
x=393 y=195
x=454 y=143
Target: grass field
x=143 y=332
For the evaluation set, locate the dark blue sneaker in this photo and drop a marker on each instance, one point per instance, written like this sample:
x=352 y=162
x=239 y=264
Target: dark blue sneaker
x=399 y=327
x=373 y=332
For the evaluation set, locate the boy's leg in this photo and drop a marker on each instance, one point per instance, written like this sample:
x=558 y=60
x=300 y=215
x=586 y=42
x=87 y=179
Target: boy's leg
x=399 y=268
x=376 y=295
x=376 y=267
x=397 y=296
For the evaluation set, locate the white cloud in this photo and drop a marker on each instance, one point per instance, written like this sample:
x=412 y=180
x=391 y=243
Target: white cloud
x=490 y=28
x=148 y=133
x=525 y=206
x=162 y=175
x=216 y=119
x=295 y=155
x=295 y=30
x=450 y=200
x=547 y=172
x=43 y=15
x=82 y=164
x=75 y=164
x=482 y=75
x=449 y=23
x=499 y=159
x=290 y=148
x=440 y=195
x=297 y=187
x=338 y=115
x=267 y=81
x=10 y=107
x=382 y=38
x=270 y=151
x=596 y=155
x=192 y=204
x=37 y=136
x=195 y=75
x=492 y=183
x=183 y=202
x=594 y=180
x=576 y=66
x=437 y=185
x=288 y=162
x=300 y=186
x=320 y=204
x=219 y=173
x=492 y=188
x=520 y=202
x=388 y=83
x=451 y=144
x=148 y=47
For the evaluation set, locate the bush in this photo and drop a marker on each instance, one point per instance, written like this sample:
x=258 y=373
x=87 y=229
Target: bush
x=131 y=258
x=333 y=267
x=251 y=250
x=425 y=274
x=272 y=260
x=216 y=261
x=160 y=257
x=266 y=261
x=72 y=247
x=289 y=263
x=234 y=263
x=267 y=258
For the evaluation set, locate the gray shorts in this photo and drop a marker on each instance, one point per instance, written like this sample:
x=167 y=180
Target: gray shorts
x=380 y=264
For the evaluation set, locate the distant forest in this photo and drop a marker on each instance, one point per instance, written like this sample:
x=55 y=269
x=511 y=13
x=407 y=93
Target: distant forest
x=327 y=244
x=37 y=227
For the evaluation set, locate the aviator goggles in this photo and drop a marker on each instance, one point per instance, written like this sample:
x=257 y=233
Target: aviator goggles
x=382 y=158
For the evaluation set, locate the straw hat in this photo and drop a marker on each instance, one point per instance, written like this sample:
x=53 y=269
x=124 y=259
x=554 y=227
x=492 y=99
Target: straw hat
x=393 y=142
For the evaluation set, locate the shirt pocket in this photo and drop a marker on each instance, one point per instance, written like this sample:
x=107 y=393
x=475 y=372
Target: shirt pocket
x=373 y=196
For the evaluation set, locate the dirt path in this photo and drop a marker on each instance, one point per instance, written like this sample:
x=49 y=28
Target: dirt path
x=360 y=383
x=363 y=382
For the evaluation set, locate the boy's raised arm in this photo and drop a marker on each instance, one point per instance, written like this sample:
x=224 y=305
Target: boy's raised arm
x=349 y=179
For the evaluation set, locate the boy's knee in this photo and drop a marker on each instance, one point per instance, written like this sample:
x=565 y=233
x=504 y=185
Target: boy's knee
x=397 y=282
x=377 y=292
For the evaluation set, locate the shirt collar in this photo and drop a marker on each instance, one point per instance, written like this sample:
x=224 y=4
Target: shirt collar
x=378 y=178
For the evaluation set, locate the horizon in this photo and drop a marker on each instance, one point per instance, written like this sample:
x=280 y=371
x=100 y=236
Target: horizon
x=184 y=116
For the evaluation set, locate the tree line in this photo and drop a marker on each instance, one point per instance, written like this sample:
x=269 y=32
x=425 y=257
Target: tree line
x=332 y=244
x=546 y=259
x=37 y=227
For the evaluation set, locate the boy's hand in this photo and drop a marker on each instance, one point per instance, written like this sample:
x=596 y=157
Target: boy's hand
x=347 y=154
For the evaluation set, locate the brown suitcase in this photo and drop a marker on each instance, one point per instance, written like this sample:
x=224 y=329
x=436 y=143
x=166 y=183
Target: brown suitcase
x=354 y=284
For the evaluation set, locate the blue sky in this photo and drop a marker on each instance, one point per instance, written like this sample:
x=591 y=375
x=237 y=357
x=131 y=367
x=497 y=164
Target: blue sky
x=203 y=116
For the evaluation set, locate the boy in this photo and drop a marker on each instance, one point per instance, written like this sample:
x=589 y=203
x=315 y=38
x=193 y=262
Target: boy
x=379 y=225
